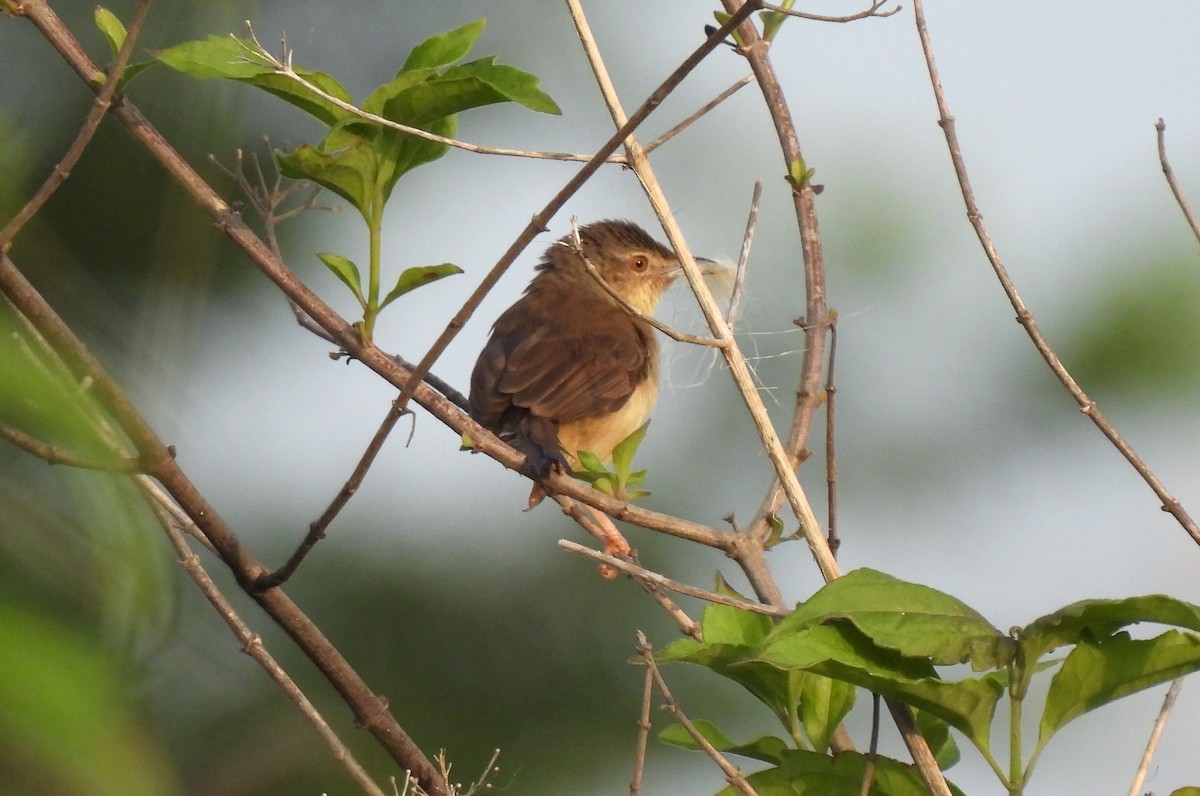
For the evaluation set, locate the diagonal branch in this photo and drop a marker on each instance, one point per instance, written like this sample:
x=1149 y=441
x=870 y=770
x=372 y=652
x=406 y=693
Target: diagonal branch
x=1024 y=317
x=104 y=100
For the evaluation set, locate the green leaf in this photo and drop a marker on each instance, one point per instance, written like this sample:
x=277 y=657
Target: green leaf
x=1191 y=790
x=912 y=619
x=591 y=463
x=413 y=278
x=844 y=653
x=824 y=703
x=349 y=173
x=112 y=28
x=622 y=454
x=444 y=48
x=768 y=748
x=235 y=59
x=1096 y=619
x=805 y=773
x=346 y=271
x=1100 y=671
x=725 y=624
x=510 y=83
x=57 y=689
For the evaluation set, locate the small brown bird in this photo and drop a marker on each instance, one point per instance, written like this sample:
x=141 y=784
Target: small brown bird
x=567 y=367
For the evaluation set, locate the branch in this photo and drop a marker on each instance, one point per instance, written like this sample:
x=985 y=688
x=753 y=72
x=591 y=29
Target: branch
x=732 y=774
x=1161 y=128
x=1164 y=713
x=252 y=645
x=873 y=11
x=1024 y=316
x=673 y=585
x=54 y=455
x=104 y=100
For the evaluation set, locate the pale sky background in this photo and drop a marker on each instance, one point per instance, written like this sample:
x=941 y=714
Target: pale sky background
x=960 y=466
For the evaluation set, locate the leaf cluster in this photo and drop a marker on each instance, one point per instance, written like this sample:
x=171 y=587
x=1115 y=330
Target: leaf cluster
x=871 y=630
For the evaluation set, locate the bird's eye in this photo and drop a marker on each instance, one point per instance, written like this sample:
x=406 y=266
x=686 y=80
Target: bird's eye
x=639 y=263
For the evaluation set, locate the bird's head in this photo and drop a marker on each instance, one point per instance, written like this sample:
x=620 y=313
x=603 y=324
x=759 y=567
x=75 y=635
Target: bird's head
x=635 y=265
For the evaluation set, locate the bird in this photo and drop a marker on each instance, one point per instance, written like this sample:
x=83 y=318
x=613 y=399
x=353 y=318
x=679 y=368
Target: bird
x=568 y=367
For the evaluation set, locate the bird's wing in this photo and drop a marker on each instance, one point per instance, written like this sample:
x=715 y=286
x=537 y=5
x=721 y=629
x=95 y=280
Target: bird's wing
x=565 y=377
x=558 y=373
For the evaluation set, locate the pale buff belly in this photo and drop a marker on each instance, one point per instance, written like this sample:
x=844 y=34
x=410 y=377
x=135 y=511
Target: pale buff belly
x=601 y=434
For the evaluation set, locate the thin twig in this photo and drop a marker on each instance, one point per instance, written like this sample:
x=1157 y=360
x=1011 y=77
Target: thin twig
x=704 y=109
x=739 y=279
x=601 y=526
x=284 y=69
x=732 y=774
x=543 y=216
x=1164 y=713
x=318 y=527
x=873 y=752
x=1024 y=317
x=643 y=735
x=1161 y=128
x=252 y=645
x=873 y=11
x=104 y=100
x=673 y=585
x=830 y=428
x=52 y=454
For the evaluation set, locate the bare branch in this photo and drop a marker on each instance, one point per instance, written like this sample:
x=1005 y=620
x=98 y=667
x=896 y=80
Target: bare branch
x=1164 y=713
x=55 y=455
x=104 y=100
x=732 y=774
x=643 y=735
x=739 y=279
x=1024 y=317
x=673 y=585
x=873 y=11
x=704 y=109
x=252 y=645
x=1161 y=128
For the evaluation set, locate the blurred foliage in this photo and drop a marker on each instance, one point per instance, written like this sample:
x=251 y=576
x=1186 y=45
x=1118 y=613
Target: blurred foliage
x=1140 y=337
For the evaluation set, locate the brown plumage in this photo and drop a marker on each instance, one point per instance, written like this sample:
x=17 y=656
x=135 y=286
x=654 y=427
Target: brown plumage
x=567 y=368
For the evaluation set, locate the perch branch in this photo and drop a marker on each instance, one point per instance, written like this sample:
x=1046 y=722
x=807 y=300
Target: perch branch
x=1161 y=128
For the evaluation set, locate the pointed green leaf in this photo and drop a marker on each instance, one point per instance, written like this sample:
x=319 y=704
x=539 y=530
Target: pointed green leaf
x=1191 y=790
x=824 y=703
x=349 y=173
x=804 y=773
x=1100 y=671
x=235 y=59
x=510 y=83
x=912 y=619
x=842 y=652
x=725 y=624
x=622 y=455
x=444 y=48
x=112 y=28
x=346 y=271
x=768 y=748
x=591 y=463
x=413 y=278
